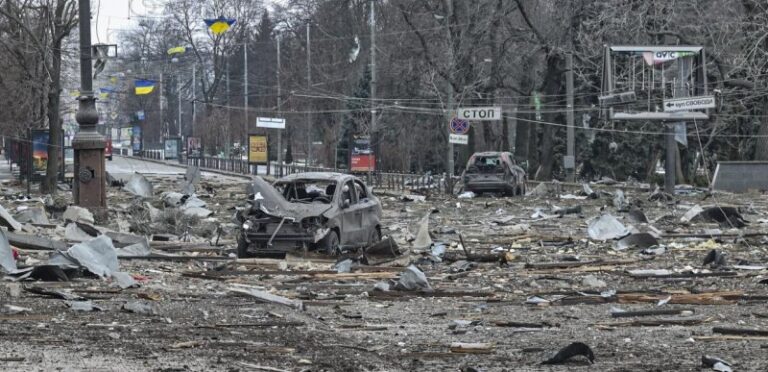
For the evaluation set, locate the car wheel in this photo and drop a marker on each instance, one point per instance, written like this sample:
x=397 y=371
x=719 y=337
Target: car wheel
x=242 y=247
x=330 y=244
x=374 y=236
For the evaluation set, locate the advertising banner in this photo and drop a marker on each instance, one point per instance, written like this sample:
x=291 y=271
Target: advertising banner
x=257 y=149
x=194 y=147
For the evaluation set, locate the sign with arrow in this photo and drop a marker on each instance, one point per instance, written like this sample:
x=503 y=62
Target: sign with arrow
x=689 y=103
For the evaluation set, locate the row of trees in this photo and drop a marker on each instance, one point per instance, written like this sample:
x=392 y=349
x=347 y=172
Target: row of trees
x=433 y=56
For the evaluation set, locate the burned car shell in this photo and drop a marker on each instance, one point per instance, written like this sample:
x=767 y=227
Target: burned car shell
x=500 y=174
x=272 y=224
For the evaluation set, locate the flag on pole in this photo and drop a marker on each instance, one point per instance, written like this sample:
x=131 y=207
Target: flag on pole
x=219 y=25
x=176 y=50
x=144 y=87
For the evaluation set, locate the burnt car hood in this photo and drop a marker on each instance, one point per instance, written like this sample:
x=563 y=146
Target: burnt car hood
x=273 y=203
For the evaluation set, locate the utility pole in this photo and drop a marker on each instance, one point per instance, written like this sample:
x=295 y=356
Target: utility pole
x=178 y=98
x=670 y=168
x=162 y=122
x=449 y=104
x=89 y=188
x=228 y=145
x=245 y=98
x=309 y=86
x=570 y=158
x=194 y=96
x=279 y=114
x=373 y=139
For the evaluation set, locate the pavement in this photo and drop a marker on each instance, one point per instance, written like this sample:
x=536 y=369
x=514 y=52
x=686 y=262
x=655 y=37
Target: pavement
x=122 y=167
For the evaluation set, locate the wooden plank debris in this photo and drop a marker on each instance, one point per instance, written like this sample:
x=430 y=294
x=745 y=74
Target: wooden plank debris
x=472 y=348
x=649 y=312
x=684 y=321
x=740 y=331
x=268 y=297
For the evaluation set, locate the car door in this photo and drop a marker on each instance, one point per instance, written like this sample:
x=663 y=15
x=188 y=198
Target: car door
x=351 y=215
x=368 y=217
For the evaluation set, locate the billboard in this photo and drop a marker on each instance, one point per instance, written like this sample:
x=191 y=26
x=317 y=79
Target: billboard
x=136 y=138
x=172 y=148
x=39 y=151
x=363 y=163
x=257 y=149
x=194 y=147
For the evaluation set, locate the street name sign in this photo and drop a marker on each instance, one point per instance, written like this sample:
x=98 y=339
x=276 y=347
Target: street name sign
x=479 y=113
x=275 y=123
x=689 y=103
x=459 y=139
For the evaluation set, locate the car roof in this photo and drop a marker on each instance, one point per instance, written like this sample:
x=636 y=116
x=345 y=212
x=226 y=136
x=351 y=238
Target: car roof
x=317 y=176
x=488 y=153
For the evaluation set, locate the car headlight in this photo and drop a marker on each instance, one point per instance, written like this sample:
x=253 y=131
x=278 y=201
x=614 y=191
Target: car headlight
x=246 y=225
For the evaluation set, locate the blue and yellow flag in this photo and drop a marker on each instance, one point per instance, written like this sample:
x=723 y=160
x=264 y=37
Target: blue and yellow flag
x=219 y=25
x=176 y=50
x=144 y=87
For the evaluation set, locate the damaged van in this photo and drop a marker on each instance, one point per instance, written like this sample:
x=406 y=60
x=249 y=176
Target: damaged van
x=327 y=212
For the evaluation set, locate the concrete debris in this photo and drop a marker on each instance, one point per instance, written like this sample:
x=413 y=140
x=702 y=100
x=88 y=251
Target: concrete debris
x=84 y=306
x=381 y=286
x=78 y=214
x=7 y=260
x=343 y=266
x=123 y=280
x=172 y=199
x=74 y=233
x=606 y=227
x=139 y=185
x=139 y=307
x=715 y=363
x=413 y=279
x=8 y=221
x=466 y=195
x=423 y=240
x=588 y=192
x=197 y=212
x=592 y=281
x=620 y=201
x=191 y=179
x=639 y=240
x=35 y=215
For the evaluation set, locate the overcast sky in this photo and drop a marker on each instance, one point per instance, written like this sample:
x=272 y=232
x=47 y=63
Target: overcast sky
x=111 y=16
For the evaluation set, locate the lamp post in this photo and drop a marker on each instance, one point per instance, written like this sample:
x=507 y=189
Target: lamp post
x=89 y=189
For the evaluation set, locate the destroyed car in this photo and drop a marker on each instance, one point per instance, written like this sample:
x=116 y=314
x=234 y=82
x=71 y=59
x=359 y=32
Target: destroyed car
x=323 y=211
x=494 y=172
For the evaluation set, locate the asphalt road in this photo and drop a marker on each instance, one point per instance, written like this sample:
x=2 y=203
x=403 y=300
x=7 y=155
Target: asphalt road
x=122 y=167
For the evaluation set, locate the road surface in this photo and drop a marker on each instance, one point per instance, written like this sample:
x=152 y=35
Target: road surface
x=123 y=167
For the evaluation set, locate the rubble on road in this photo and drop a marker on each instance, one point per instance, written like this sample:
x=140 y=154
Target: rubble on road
x=570 y=275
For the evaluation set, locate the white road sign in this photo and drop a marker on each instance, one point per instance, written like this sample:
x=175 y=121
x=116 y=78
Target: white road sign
x=479 y=113
x=459 y=139
x=276 y=123
x=689 y=103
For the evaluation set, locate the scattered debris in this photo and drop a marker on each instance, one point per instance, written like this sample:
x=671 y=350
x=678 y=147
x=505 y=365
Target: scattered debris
x=413 y=279
x=139 y=307
x=570 y=351
x=606 y=227
x=84 y=306
x=267 y=297
x=78 y=214
x=639 y=240
x=715 y=363
x=8 y=221
x=139 y=185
